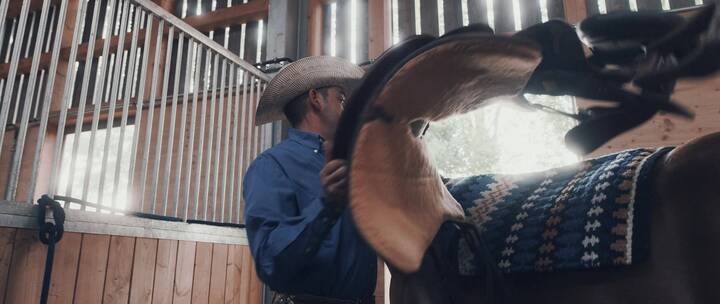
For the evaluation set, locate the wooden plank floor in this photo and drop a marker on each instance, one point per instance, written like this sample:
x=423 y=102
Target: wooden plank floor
x=91 y=268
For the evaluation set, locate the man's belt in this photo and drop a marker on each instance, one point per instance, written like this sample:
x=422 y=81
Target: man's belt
x=308 y=299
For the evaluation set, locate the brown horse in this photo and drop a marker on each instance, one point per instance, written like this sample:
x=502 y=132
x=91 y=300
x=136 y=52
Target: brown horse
x=682 y=267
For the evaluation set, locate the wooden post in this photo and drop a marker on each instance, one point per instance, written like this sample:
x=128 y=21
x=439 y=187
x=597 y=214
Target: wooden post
x=575 y=10
x=379 y=30
x=315 y=28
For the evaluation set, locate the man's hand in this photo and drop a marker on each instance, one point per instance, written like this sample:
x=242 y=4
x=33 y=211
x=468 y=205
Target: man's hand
x=334 y=178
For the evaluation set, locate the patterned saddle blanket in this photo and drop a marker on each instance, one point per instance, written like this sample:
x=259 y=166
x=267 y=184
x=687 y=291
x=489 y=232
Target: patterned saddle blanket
x=588 y=215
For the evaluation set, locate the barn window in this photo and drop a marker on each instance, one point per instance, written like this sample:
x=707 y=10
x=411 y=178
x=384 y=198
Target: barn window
x=502 y=138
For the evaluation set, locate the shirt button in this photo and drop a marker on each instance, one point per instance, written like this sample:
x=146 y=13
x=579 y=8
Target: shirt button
x=315 y=150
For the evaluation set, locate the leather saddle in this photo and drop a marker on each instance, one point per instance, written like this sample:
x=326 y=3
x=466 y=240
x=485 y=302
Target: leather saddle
x=398 y=199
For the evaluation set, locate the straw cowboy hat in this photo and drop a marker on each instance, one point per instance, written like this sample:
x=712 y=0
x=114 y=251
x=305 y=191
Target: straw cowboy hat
x=300 y=77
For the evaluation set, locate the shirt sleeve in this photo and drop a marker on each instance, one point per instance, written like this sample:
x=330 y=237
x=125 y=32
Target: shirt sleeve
x=283 y=237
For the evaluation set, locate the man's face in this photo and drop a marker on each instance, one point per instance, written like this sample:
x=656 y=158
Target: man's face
x=334 y=105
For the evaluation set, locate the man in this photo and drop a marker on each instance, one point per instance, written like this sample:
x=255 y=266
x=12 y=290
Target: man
x=302 y=238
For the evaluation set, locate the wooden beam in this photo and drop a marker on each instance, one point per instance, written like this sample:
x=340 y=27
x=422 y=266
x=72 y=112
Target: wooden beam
x=575 y=10
x=379 y=29
x=234 y=15
x=35 y=5
x=315 y=27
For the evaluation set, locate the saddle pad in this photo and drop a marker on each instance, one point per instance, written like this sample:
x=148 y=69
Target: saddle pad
x=587 y=215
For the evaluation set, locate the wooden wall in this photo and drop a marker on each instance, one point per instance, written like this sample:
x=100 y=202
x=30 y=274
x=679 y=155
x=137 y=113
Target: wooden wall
x=91 y=268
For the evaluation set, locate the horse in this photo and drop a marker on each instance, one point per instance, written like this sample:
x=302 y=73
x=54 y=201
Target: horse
x=402 y=206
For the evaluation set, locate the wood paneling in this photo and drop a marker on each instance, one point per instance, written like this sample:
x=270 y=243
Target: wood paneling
x=201 y=277
x=665 y=130
x=218 y=272
x=65 y=266
x=143 y=272
x=556 y=9
x=681 y=3
x=477 y=11
x=429 y=17
x=406 y=18
x=119 y=269
x=504 y=17
x=7 y=240
x=234 y=271
x=644 y=5
x=165 y=271
x=452 y=14
x=530 y=13
x=92 y=268
x=379 y=27
x=184 y=273
x=617 y=5
x=26 y=269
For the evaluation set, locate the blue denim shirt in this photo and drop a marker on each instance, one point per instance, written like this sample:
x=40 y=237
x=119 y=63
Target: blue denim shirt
x=300 y=247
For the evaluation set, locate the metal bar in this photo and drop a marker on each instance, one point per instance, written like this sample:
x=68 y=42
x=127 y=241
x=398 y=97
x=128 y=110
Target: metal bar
x=22 y=76
x=250 y=124
x=151 y=110
x=161 y=120
x=234 y=82
x=200 y=37
x=3 y=14
x=20 y=147
x=13 y=71
x=257 y=128
x=97 y=92
x=138 y=109
x=202 y=134
x=173 y=116
x=218 y=140
x=126 y=101
x=191 y=149
x=113 y=101
x=183 y=122
x=210 y=134
x=227 y=144
x=241 y=155
x=46 y=49
x=83 y=99
x=67 y=91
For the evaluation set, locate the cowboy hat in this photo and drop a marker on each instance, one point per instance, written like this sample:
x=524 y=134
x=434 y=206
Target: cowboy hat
x=300 y=77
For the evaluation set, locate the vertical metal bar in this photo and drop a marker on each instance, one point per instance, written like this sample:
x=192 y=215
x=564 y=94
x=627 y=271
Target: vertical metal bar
x=257 y=129
x=140 y=97
x=190 y=70
x=151 y=111
x=30 y=91
x=67 y=89
x=227 y=142
x=161 y=119
x=113 y=102
x=22 y=76
x=7 y=96
x=189 y=164
x=3 y=14
x=97 y=92
x=83 y=99
x=210 y=134
x=241 y=154
x=173 y=116
x=46 y=49
x=47 y=99
x=183 y=121
x=203 y=113
x=126 y=100
x=218 y=140
x=231 y=195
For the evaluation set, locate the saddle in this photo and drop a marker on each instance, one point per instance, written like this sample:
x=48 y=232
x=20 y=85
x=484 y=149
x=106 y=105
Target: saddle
x=398 y=199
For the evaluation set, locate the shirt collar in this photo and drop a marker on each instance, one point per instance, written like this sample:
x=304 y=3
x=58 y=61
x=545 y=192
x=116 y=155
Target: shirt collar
x=308 y=139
